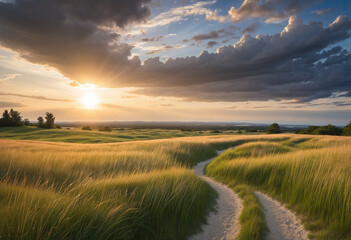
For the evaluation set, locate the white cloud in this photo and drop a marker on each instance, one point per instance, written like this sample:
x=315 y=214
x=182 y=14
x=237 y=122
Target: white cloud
x=10 y=76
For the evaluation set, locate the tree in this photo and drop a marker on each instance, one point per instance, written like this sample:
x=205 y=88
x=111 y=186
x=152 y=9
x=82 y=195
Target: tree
x=328 y=130
x=274 y=128
x=347 y=130
x=50 y=119
x=11 y=119
x=26 y=122
x=40 y=122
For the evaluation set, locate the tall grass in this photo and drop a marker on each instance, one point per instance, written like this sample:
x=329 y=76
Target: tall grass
x=136 y=190
x=313 y=177
x=109 y=191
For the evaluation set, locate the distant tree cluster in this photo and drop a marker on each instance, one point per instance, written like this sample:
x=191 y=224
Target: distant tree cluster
x=327 y=130
x=13 y=118
x=49 y=121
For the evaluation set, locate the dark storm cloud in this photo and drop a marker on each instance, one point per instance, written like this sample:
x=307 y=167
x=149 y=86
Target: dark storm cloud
x=297 y=63
x=67 y=35
x=206 y=36
x=211 y=44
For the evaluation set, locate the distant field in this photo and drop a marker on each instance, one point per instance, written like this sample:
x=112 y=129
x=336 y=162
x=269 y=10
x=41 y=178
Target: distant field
x=76 y=135
x=147 y=190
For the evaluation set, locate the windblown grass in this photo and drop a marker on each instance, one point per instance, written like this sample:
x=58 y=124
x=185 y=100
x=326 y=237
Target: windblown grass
x=312 y=176
x=109 y=191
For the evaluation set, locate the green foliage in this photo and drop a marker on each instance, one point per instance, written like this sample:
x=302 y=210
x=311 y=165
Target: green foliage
x=252 y=221
x=11 y=119
x=323 y=130
x=105 y=129
x=347 y=130
x=40 y=122
x=274 y=128
x=86 y=128
x=50 y=120
x=26 y=122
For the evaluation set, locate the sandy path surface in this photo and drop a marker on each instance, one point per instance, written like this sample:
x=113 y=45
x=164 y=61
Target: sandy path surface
x=282 y=223
x=224 y=223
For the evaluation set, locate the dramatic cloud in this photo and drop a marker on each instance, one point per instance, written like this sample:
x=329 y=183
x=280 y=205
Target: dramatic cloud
x=72 y=36
x=269 y=11
x=303 y=62
x=323 y=12
x=297 y=63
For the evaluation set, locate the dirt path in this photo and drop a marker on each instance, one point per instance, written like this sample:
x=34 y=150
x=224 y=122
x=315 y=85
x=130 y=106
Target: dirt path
x=224 y=223
x=282 y=223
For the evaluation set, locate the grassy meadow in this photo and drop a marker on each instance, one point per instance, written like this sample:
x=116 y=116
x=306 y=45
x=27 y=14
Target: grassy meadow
x=147 y=189
x=312 y=175
x=76 y=135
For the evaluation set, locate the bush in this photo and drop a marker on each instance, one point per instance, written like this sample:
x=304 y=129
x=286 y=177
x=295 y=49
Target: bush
x=274 y=128
x=86 y=128
x=328 y=130
x=105 y=129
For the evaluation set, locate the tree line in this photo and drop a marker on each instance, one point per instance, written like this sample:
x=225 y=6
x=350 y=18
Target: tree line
x=13 y=118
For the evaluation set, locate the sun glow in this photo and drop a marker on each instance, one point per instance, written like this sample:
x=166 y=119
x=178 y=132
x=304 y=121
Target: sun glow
x=89 y=101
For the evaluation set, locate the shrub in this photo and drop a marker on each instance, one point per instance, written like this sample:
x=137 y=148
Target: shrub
x=328 y=130
x=105 y=129
x=274 y=128
x=86 y=128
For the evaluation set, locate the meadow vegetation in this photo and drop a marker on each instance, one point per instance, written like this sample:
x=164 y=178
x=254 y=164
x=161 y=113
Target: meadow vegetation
x=102 y=135
x=147 y=190
x=311 y=175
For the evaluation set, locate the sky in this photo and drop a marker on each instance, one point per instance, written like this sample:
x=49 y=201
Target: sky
x=263 y=61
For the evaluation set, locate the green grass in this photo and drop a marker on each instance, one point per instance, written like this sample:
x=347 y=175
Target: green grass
x=311 y=175
x=253 y=226
x=76 y=135
x=147 y=190
x=141 y=190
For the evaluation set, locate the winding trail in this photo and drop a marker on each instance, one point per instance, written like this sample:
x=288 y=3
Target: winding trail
x=224 y=223
x=282 y=223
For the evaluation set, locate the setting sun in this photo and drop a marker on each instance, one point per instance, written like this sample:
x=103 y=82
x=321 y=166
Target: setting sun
x=89 y=101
